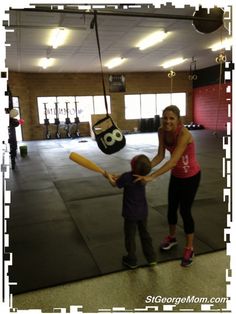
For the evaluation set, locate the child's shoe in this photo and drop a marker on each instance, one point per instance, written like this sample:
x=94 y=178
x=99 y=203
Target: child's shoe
x=152 y=263
x=127 y=262
x=187 y=259
x=168 y=243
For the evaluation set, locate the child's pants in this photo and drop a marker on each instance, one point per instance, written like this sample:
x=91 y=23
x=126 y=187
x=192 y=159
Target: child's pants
x=146 y=240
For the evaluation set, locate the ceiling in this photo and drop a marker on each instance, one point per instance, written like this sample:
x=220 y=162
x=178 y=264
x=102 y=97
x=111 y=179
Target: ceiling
x=118 y=36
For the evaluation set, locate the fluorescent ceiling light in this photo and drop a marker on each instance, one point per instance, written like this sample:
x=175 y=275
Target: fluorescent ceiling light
x=225 y=44
x=173 y=62
x=46 y=62
x=151 y=40
x=115 y=62
x=58 y=37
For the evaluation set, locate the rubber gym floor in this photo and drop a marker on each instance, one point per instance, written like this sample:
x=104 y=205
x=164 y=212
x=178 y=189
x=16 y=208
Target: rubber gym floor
x=66 y=230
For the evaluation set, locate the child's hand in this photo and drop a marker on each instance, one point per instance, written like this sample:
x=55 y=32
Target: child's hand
x=111 y=178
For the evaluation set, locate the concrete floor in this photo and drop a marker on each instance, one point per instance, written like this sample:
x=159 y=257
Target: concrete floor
x=128 y=290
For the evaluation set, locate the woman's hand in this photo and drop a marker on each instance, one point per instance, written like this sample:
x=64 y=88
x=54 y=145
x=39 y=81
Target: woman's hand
x=143 y=179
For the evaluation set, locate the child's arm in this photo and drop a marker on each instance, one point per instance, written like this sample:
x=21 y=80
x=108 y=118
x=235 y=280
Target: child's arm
x=111 y=178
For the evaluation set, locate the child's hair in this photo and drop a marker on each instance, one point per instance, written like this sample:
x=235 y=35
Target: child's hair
x=141 y=165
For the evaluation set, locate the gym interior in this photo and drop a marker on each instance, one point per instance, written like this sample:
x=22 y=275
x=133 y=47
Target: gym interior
x=65 y=226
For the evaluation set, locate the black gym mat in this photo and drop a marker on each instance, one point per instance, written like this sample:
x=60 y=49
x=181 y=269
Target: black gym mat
x=47 y=247
x=47 y=254
x=101 y=225
x=65 y=221
x=210 y=221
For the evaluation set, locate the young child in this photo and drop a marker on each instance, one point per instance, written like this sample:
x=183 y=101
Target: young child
x=135 y=210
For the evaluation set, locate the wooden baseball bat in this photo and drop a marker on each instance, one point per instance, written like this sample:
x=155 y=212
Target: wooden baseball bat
x=86 y=163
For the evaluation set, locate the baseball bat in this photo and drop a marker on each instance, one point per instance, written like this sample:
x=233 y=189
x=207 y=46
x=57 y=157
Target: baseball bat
x=86 y=163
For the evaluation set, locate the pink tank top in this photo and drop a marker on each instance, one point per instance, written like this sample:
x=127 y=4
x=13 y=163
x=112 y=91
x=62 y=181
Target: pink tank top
x=187 y=166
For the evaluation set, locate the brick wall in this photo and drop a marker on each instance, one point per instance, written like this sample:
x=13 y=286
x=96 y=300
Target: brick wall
x=211 y=106
x=29 y=86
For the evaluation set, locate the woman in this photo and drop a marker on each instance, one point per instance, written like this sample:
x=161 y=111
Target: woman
x=184 y=179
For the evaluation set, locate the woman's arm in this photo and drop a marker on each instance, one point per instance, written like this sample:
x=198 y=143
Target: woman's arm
x=183 y=140
x=161 y=150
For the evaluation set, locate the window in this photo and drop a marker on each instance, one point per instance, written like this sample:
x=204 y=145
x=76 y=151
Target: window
x=84 y=107
x=163 y=100
x=177 y=99
x=132 y=107
x=66 y=108
x=148 y=105
x=46 y=109
x=71 y=107
x=99 y=104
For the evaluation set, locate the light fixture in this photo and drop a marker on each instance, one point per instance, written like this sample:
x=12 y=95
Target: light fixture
x=225 y=44
x=58 y=37
x=115 y=62
x=46 y=62
x=152 y=39
x=173 y=62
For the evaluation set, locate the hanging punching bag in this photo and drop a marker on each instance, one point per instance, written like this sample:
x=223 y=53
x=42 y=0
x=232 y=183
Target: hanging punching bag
x=108 y=136
x=214 y=20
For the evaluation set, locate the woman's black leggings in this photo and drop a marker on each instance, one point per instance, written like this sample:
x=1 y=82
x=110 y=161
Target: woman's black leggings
x=181 y=195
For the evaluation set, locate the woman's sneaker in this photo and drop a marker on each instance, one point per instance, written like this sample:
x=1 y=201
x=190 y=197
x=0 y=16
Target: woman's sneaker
x=168 y=243
x=187 y=259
